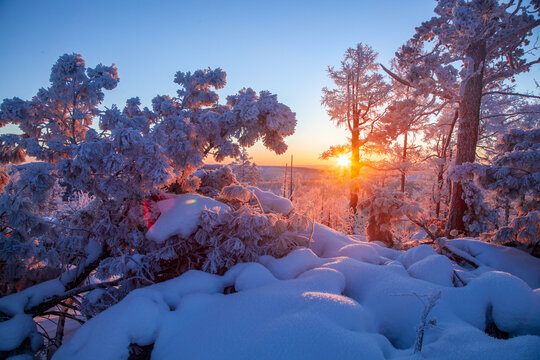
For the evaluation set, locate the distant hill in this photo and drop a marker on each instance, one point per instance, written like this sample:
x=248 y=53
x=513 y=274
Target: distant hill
x=274 y=173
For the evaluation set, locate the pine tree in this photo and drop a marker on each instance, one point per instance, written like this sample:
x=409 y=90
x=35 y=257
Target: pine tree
x=489 y=40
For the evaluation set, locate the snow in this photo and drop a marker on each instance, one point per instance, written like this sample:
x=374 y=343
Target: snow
x=340 y=299
x=421 y=235
x=253 y=276
x=436 y=269
x=271 y=202
x=501 y=258
x=15 y=330
x=18 y=302
x=180 y=216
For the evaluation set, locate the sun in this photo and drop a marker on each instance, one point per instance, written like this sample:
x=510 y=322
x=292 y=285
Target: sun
x=343 y=160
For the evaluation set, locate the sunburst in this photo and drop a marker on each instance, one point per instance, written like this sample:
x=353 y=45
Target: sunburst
x=344 y=160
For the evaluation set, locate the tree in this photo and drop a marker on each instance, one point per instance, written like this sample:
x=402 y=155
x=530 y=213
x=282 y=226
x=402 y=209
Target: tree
x=123 y=169
x=488 y=39
x=498 y=115
x=356 y=103
x=515 y=175
x=407 y=116
x=439 y=138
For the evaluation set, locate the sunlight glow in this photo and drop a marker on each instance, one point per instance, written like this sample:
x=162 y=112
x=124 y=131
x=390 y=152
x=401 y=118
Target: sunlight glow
x=191 y=201
x=344 y=160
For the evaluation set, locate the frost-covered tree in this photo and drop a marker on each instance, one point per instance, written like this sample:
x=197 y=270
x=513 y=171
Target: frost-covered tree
x=57 y=118
x=356 y=104
x=515 y=175
x=498 y=115
x=122 y=168
x=477 y=44
x=407 y=116
x=194 y=125
x=53 y=124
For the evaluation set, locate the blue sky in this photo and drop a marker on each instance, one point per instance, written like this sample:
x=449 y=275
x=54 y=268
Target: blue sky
x=280 y=46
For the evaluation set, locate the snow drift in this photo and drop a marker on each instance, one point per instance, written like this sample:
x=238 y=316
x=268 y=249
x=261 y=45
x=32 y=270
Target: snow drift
x=340 y=299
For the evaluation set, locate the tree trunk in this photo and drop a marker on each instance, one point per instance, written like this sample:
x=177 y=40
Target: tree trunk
x=448 y=181
x=440 y=181
x=469 y=119
x=377 y=230
x=355 y=164
x=291 y=186
x=506 y=212
x=403 y=159
x=285 y=181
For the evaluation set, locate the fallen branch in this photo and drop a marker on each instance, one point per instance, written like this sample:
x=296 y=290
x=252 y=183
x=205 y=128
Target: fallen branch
x=457 y=280
x=65 y=314
x=457 y=256
x=42 y=307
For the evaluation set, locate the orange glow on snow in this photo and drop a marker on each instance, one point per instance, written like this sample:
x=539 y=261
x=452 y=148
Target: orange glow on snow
x=191 y=201
x=146 y=214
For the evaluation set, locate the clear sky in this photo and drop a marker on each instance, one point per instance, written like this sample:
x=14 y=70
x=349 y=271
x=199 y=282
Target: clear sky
x=280 y=46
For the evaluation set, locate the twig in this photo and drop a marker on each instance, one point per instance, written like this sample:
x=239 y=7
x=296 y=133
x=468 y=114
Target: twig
x=423 y=226
x=510 y=94
x=432 y=300
x=312 y=231
x=65 y=314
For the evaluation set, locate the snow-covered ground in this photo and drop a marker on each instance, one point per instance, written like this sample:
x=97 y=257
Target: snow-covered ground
x=342 y=298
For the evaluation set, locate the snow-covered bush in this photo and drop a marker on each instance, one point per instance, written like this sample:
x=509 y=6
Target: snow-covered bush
x=381 y=207
x=196 y=232
x=244 y=234
x=121 y=170
x=213 y=180
x=523 y=230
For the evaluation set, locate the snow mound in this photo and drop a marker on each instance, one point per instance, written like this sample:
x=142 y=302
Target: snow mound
x=436 y=269
x=15 y=330
x=501 y=258
x=180 y=216
x=340 y=299
x=271 y=202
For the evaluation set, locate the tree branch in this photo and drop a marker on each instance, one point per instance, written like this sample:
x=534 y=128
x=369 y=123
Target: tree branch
x=396 y=77
x=41 y=308
x=510 y=114
x=510 y=94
